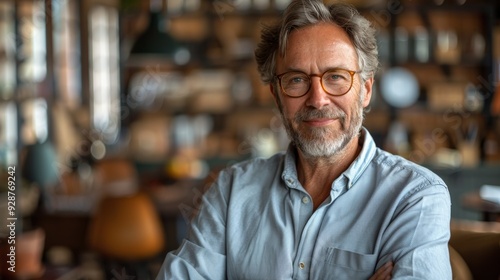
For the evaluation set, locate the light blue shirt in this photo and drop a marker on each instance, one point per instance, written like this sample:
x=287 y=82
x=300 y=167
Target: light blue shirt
x=257 y=222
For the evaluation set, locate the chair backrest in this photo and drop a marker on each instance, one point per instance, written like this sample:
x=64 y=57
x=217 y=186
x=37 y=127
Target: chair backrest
x=459 y=268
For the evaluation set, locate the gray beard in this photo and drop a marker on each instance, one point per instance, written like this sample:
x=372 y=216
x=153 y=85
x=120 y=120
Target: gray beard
x=322 y=142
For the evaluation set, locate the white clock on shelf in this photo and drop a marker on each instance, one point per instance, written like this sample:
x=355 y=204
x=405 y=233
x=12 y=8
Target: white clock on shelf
x=399 y=87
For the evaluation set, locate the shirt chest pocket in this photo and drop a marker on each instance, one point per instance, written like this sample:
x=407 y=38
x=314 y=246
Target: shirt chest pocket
x=342 y=264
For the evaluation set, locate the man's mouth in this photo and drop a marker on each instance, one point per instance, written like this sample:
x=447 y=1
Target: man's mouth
x=318 y=122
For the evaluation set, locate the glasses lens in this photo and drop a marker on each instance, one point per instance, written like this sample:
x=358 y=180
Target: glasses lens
x=337 y=81
x=295 y=83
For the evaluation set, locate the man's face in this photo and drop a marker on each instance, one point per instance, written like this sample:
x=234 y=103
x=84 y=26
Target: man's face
x=320 y=124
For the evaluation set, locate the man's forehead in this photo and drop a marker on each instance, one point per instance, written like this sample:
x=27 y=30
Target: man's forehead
x=327 y=44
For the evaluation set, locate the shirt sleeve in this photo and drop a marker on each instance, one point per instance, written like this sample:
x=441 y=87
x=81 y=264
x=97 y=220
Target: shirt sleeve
x=202 y=255
x=417 y=238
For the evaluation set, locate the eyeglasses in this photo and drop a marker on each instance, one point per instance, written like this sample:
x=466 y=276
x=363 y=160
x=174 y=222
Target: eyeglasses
x=335 y=82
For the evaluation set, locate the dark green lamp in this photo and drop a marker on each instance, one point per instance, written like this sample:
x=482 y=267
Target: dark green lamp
x=156 y=44
x=40 y=165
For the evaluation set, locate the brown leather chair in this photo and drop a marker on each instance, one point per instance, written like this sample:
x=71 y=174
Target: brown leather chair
x=475 y=250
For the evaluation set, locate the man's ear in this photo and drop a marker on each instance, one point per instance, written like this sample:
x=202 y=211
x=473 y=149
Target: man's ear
x=274 y=93
x=368 y=91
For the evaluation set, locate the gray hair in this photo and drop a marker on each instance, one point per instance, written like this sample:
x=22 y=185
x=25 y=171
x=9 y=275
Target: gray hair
x=302 y=13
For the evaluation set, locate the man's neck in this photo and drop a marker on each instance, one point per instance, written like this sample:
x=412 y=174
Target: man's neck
x=317 y=174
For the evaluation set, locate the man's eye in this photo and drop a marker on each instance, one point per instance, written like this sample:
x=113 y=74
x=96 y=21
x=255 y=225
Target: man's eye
x=336 y=77
x=296 y=80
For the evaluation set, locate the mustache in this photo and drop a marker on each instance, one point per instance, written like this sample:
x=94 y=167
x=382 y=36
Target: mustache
x=327 y=113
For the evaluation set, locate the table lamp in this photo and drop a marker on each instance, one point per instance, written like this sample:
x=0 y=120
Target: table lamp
x=127 y=228
x=40 y=167
x=40 y=164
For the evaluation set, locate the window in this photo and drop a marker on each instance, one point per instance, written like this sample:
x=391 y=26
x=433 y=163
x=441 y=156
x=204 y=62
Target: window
x=67 y=55
x=104 y=72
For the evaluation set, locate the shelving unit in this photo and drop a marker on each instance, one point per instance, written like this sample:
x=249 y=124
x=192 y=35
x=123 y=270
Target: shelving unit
x=449 y=49
x=219 y=86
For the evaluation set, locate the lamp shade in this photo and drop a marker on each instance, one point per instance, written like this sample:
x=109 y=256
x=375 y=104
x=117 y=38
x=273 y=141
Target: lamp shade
x=40 y=164
x=127 y=228
x=155 y=42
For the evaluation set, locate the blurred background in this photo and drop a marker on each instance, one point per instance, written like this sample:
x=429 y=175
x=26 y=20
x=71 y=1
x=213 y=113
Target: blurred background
x=116 y=115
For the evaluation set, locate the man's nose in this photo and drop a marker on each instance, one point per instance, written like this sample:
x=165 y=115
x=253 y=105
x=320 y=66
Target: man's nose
x=317 y=97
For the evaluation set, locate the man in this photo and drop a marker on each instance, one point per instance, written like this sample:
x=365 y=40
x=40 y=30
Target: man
x=333 y=206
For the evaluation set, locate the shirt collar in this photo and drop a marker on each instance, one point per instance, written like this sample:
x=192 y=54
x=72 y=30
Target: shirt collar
x=353 y=173
x=358 y=166
x=289 y=174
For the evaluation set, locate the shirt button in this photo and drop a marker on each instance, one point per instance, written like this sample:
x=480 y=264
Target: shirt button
x=302 y=265
x=290 y=181
x=305 y=200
